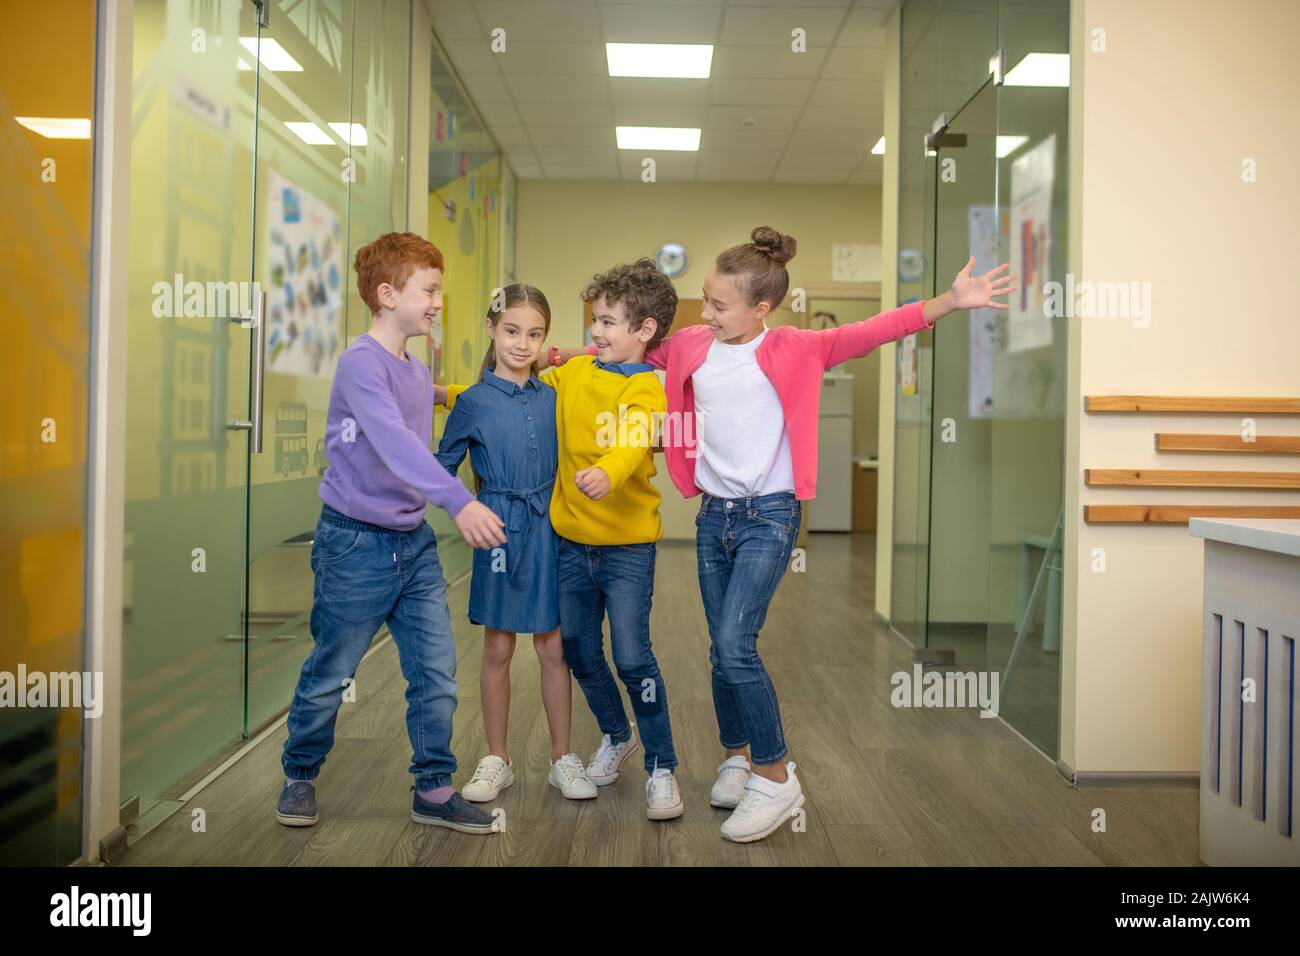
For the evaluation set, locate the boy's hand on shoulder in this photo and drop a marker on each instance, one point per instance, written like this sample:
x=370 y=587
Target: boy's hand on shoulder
x=593 y=482
x=440 y=394
x=480 y=526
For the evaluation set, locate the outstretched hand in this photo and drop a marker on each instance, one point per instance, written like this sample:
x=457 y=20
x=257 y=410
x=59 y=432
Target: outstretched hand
x=977 y=292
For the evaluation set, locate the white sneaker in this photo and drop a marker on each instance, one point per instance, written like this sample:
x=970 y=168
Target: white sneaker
x=604 y=763
x=663 y=801
x=568 y=775
x=490 y=777
x=763 y=808
x=727 y=790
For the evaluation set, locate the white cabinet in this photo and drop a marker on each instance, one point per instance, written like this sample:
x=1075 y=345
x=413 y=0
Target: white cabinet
x=832 y=509
x=1249 y=792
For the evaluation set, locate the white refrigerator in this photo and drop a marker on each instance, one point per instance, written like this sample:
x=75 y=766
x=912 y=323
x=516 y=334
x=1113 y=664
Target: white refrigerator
x=832 y=509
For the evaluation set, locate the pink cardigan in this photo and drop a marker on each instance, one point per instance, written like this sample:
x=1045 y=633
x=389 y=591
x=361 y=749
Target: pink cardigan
x=793 y=359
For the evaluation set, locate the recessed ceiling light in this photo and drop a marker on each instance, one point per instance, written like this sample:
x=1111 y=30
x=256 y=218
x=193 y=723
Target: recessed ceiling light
x=57 y=127
x=358 y=137
x=690 y=61
x=310 y=133
x=657 y=137
x=879 y=148
x=1009 y=144
x=1040 y=69
x=272 y=56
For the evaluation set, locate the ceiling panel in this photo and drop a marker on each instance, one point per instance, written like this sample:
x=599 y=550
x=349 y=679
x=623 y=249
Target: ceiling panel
x=660 y=22
x=531 y=57
x=551 y=22
x=766 y=113
x=773 y=26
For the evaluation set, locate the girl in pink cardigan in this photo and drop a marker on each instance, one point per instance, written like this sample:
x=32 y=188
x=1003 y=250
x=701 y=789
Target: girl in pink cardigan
x=751 y=394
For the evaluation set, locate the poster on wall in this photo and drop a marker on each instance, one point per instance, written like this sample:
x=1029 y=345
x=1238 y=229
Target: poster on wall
x=1031 y=229
x=305 y=289
x=907 y=365
x=434 y=342
x=983 y=230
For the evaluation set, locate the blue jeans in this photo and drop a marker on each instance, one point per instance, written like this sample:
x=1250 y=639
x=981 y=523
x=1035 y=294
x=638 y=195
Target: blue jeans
x=620 y=579
x=367 y=576
x=743 y=546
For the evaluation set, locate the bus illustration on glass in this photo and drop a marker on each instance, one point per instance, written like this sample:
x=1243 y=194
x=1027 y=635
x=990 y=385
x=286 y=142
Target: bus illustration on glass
x=291 y=438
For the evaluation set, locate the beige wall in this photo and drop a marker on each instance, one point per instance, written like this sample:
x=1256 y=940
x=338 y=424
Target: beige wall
x=1161 y=122
x=569 y=230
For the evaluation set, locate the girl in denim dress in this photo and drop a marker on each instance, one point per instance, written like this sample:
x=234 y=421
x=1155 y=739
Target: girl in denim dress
x=506 y=424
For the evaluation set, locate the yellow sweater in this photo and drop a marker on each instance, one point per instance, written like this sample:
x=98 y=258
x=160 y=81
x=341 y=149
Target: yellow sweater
x=603 y=418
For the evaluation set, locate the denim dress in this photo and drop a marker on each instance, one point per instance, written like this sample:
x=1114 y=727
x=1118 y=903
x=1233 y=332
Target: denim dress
x=509 y=434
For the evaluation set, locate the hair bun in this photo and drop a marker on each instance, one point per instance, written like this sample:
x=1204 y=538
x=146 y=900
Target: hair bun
x=780 y=249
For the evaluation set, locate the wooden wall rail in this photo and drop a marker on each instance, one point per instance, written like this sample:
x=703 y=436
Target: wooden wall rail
x=1178 y=514
x=1191 y=403
x=1179 y=478
x=1170 y=478
x=1262 y=445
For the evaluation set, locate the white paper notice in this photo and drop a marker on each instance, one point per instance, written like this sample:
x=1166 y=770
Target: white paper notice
x=854 y=263
x=1031 y=230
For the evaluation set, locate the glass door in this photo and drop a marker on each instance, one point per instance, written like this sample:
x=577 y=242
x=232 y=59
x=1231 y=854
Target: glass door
x=331 y=160
x=965 y=224
x=191 y=358
x=306 y=164
x=979 y=442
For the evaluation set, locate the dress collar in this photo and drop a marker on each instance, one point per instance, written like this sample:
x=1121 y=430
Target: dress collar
x=507 y=386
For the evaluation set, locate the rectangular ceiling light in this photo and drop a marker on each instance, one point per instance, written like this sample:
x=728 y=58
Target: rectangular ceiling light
x=879 y=148
x=272 y=56
x=1009 y=144
x=657 y=137
x=57 y=127
x=357 y=136
x=1040 y=69
x=310 y=133
x=691 y=61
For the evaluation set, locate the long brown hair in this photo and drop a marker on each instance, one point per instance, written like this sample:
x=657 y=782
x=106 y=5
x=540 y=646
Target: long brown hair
x=759 y=266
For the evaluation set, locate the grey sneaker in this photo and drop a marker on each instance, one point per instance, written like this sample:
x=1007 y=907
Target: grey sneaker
x=297 y=804
x=456 y=814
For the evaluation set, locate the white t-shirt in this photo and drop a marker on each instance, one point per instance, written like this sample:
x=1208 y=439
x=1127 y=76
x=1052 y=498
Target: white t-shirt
x=743 y=449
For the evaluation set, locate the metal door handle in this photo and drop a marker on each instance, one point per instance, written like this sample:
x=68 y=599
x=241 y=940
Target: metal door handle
x=258 y=320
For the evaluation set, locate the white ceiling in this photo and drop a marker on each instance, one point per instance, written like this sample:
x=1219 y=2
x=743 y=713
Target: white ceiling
x=767 y=114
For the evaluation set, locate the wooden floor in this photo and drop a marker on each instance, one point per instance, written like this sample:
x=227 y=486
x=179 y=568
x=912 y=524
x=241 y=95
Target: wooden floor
x=885 y=786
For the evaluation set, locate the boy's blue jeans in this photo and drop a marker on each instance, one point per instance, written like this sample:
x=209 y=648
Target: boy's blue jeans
x=367 y=576
x=743 y=546
x=619 y=579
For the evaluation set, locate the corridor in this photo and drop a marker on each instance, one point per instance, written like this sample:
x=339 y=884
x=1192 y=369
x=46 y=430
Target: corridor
x=885 y=786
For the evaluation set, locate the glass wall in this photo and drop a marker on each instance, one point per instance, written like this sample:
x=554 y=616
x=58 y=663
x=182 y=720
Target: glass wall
x=260 y=157
x=980 y=414
x=471 y=219
x=47 y=93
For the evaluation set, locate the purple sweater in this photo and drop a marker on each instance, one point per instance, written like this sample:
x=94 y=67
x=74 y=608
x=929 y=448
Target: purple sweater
x=377 y=440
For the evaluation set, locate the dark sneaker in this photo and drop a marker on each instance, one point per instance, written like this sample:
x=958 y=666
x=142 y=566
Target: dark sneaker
x=297 y=804
x=456 y=814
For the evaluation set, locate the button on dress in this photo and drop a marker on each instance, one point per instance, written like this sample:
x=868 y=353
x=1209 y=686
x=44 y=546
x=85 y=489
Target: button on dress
x=509 y=433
